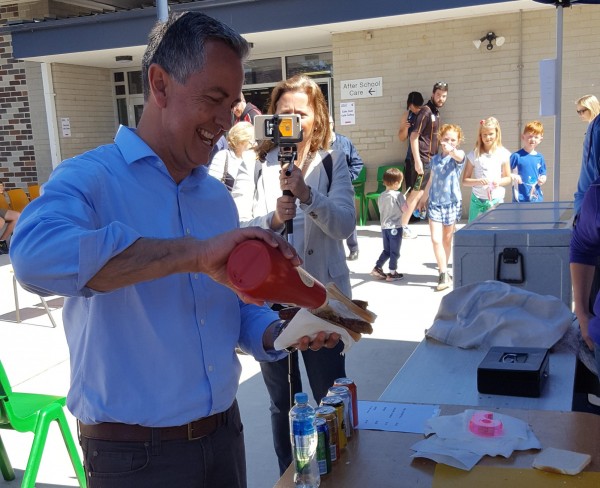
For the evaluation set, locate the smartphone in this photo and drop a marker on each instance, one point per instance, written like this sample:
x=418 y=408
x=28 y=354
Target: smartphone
x=290 y=129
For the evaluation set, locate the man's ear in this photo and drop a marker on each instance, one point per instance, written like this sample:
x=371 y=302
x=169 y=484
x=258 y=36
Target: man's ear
x=158 y=81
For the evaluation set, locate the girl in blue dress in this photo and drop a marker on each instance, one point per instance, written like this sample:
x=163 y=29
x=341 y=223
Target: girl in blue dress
x=444 y=205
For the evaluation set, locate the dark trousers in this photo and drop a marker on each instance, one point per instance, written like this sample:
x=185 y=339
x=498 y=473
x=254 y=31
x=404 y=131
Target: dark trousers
x=323 y=368
x=392 y=240
x=352 y=241
x=217 y=460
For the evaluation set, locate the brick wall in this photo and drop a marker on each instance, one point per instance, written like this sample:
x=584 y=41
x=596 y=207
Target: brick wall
x=17 y=161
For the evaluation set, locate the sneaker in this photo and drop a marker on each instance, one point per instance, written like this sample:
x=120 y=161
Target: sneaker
x=407 y=233
x=443 y=281
x=3 y=247
x=378 y=273
x=394 y=276
x=353 y=256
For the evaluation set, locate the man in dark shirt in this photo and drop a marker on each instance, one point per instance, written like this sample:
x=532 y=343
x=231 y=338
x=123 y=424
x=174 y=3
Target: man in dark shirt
x=424 y=145
x=244 y=111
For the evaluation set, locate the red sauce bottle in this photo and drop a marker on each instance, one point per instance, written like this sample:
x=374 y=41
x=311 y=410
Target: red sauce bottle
x=263 y=272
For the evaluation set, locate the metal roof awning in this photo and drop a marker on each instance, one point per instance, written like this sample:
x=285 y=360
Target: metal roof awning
x=130 y=21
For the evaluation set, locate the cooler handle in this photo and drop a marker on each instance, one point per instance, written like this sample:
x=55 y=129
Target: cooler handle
x=510 y=255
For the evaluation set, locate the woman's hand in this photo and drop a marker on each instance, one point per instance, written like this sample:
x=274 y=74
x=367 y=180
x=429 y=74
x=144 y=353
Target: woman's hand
x=294 y=182
x=285 y=210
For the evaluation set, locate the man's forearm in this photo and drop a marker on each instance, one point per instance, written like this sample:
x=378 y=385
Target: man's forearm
x=414 y=145
x=144 y=260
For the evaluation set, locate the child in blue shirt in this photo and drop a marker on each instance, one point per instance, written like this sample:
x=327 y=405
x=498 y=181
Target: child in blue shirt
x=528 y=166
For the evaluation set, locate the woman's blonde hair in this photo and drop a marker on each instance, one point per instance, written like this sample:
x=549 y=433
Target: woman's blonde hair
x=591 y=103
x=240 y=134
x=321 y=132
x=491 y=123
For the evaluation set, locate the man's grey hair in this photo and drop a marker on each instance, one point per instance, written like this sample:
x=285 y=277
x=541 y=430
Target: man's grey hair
x=178 y=44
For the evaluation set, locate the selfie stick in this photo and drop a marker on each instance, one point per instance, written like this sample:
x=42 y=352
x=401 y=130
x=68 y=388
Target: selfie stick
x=288 y=153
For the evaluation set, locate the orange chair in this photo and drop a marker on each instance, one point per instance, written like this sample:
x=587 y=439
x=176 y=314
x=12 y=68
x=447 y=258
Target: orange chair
x=3 y=203
x=18 y=199
x=34 y=191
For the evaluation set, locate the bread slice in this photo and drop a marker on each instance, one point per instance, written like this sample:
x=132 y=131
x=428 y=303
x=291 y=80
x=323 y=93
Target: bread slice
x=561 y=461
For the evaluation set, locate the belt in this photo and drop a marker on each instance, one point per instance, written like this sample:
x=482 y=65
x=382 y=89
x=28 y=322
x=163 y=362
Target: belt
x=108 y=431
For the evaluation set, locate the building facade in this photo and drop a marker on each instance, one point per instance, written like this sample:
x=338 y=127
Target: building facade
x=61 y=102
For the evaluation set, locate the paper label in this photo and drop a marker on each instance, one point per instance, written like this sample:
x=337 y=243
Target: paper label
x=307 y=279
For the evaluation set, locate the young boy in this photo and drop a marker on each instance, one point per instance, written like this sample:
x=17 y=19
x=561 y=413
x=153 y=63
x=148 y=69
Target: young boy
x=528 y=166
x=391 y=206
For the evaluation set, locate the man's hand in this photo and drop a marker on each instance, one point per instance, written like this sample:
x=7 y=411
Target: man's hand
x=323 y=339
x=418 y=166
x=584 y=320
x=211 y=255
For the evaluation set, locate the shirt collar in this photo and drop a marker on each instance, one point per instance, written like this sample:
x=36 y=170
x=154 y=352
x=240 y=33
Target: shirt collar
x=133 y=149
x=433 y=107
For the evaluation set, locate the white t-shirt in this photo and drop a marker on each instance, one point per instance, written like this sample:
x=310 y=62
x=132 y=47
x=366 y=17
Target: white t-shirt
x=489 y=166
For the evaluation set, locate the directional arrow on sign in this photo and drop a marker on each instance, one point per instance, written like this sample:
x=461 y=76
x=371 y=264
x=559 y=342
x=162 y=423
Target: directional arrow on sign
x=371 y=91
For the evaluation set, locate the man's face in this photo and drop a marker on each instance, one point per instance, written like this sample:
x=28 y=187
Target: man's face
x=439 y=97
x=238 y=108
x=197 y=113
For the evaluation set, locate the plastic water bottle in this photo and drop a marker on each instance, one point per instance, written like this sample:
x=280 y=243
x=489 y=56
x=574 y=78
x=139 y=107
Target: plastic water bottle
x=304 y=443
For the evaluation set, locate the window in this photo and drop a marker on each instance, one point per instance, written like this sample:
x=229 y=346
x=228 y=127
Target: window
x=314 y=65
x=262 y=71
x=129 y=100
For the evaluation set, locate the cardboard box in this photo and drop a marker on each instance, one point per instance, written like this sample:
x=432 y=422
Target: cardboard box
x=523 y=244
x=514 y=371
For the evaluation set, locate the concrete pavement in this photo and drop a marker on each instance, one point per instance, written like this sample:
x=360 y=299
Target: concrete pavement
x=35 y=355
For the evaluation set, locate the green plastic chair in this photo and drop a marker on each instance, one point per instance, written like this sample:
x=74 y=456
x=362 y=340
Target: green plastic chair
x=372 y=196
x=32 y=412
x=359 y=194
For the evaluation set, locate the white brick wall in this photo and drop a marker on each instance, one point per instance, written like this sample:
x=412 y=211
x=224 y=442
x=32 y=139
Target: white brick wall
x=85 y=96
x=39 y=124
x=482 y=83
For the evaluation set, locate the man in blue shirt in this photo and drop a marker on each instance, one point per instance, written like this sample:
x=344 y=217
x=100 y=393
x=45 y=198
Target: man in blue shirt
x=355 y=165
x=136 y=235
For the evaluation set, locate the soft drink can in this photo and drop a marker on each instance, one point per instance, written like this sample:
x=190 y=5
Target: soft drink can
x=418 y=182
x=323 y=451
x=344 y=392
x=329 y=414
x=337 y=403
x=348 y=383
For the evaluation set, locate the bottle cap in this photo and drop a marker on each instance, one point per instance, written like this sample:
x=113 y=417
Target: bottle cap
x=301 y=398
x=249 y=265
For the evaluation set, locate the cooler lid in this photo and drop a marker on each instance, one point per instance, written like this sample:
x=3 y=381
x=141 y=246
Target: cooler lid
x=546 y=224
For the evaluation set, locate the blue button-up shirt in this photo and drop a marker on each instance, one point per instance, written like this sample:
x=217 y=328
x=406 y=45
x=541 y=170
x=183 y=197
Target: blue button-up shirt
x=158 y=353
